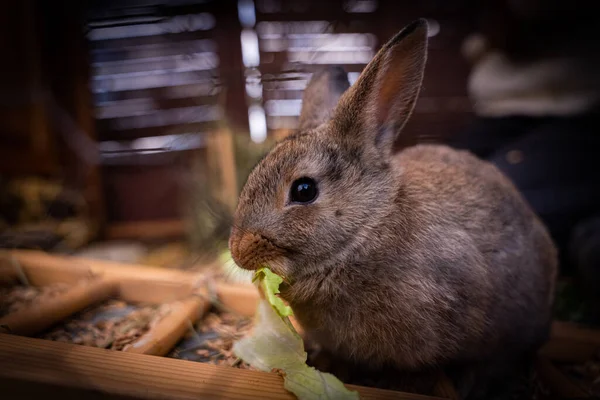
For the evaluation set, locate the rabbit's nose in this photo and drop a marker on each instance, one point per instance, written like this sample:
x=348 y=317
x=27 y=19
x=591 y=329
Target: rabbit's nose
x=250 y=250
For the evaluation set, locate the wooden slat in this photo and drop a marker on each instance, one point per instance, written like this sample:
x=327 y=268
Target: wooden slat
x=140 y=290
x=172 y=63
x=566 y=330
x=279 y=59
x=200 y=92
x=9 y=272
x=136 y=282
x=570 y=343
x=34 y=261
x=197 y=114
x=41 y=316
x=165 y=335
x=195 y=22
x=136 y=105
x=445 y=388
x=241 y=299
x=107 y=373
x=151 y=82
x=164 y=39
x=337 y=15
x=221 y=166
x=107 y=133
x=568 y=350
x=559 y=384
x=146 y=229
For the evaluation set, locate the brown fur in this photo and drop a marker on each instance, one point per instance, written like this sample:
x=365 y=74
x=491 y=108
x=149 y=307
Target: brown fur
x=427 y=257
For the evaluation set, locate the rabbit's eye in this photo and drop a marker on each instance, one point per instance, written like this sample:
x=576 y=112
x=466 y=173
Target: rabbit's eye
x=304 y=190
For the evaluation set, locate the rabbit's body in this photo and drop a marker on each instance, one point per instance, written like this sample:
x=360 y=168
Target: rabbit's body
x=429 y=257
x=471 y=276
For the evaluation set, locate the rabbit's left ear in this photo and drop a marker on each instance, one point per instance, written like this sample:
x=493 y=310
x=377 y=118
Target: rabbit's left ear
x=376 y=108
x=321 y=96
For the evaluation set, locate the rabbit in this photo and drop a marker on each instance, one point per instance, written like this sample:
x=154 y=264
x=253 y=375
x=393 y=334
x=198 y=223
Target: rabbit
x=424 y=257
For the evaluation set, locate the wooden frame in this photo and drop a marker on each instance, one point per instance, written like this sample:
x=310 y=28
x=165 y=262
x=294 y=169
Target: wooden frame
x=185 y=305
x=34 y=319
x=172 y=228
x=30 y=367
x=568 y=344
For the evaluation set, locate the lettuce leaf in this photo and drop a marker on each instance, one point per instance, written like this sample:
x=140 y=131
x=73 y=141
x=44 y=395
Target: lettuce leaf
x=275 y=345
x=269 y=283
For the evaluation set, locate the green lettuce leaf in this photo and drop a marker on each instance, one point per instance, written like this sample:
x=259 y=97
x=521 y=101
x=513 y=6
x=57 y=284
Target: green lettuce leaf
x=269 y=283
x=275 y=344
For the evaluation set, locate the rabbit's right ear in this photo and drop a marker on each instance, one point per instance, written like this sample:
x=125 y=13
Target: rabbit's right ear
x=321 y=96
x=375 y=109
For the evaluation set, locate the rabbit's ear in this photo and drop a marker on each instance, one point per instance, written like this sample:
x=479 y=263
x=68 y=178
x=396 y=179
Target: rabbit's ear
x=321 y=96
x=378 y=105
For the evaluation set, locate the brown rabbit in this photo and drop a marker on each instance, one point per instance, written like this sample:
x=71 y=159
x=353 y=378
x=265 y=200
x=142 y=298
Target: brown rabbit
x=429 y=257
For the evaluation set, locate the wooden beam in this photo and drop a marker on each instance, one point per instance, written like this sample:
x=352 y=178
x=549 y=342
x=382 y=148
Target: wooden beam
x=170 y=329
x=137 y=283
x=559 y=384
x=111 y=374
x=221 y=166
x=146 y=229
x=32 y=320
x=571 y=343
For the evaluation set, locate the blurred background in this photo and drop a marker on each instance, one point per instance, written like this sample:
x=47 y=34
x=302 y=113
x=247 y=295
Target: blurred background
x=127 y=128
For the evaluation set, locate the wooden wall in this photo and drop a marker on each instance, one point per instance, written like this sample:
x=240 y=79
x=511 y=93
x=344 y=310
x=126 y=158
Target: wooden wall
x=45 y=53
x=25 y=138
x=46 y=113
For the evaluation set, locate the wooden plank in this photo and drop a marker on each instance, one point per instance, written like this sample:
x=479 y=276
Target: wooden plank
x=83 y=109
x=152 y=50
x=165 y=335
x=136 y=376
x=140 y=290
x=32 y=320
x=166 y=39
x=202 y=93
x=203 y=114
x=40 y=138
x=36 y=260
x=567 y=350
x=115 y=83
x=571 y=343
x=137 y=283
x=558 y=383
x=445 y=388
x=566 y=330
x=56 y=274
x=106 y=132
x=221 y=166
x=9 y=272
x=135 y=106
x=146 y=229
x=241 y=299
x=19 y=161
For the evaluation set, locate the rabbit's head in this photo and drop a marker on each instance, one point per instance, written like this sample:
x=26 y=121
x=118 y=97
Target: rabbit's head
x=309 y=200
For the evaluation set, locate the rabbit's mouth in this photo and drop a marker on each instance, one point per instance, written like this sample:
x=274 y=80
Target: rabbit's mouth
x=252 y=251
